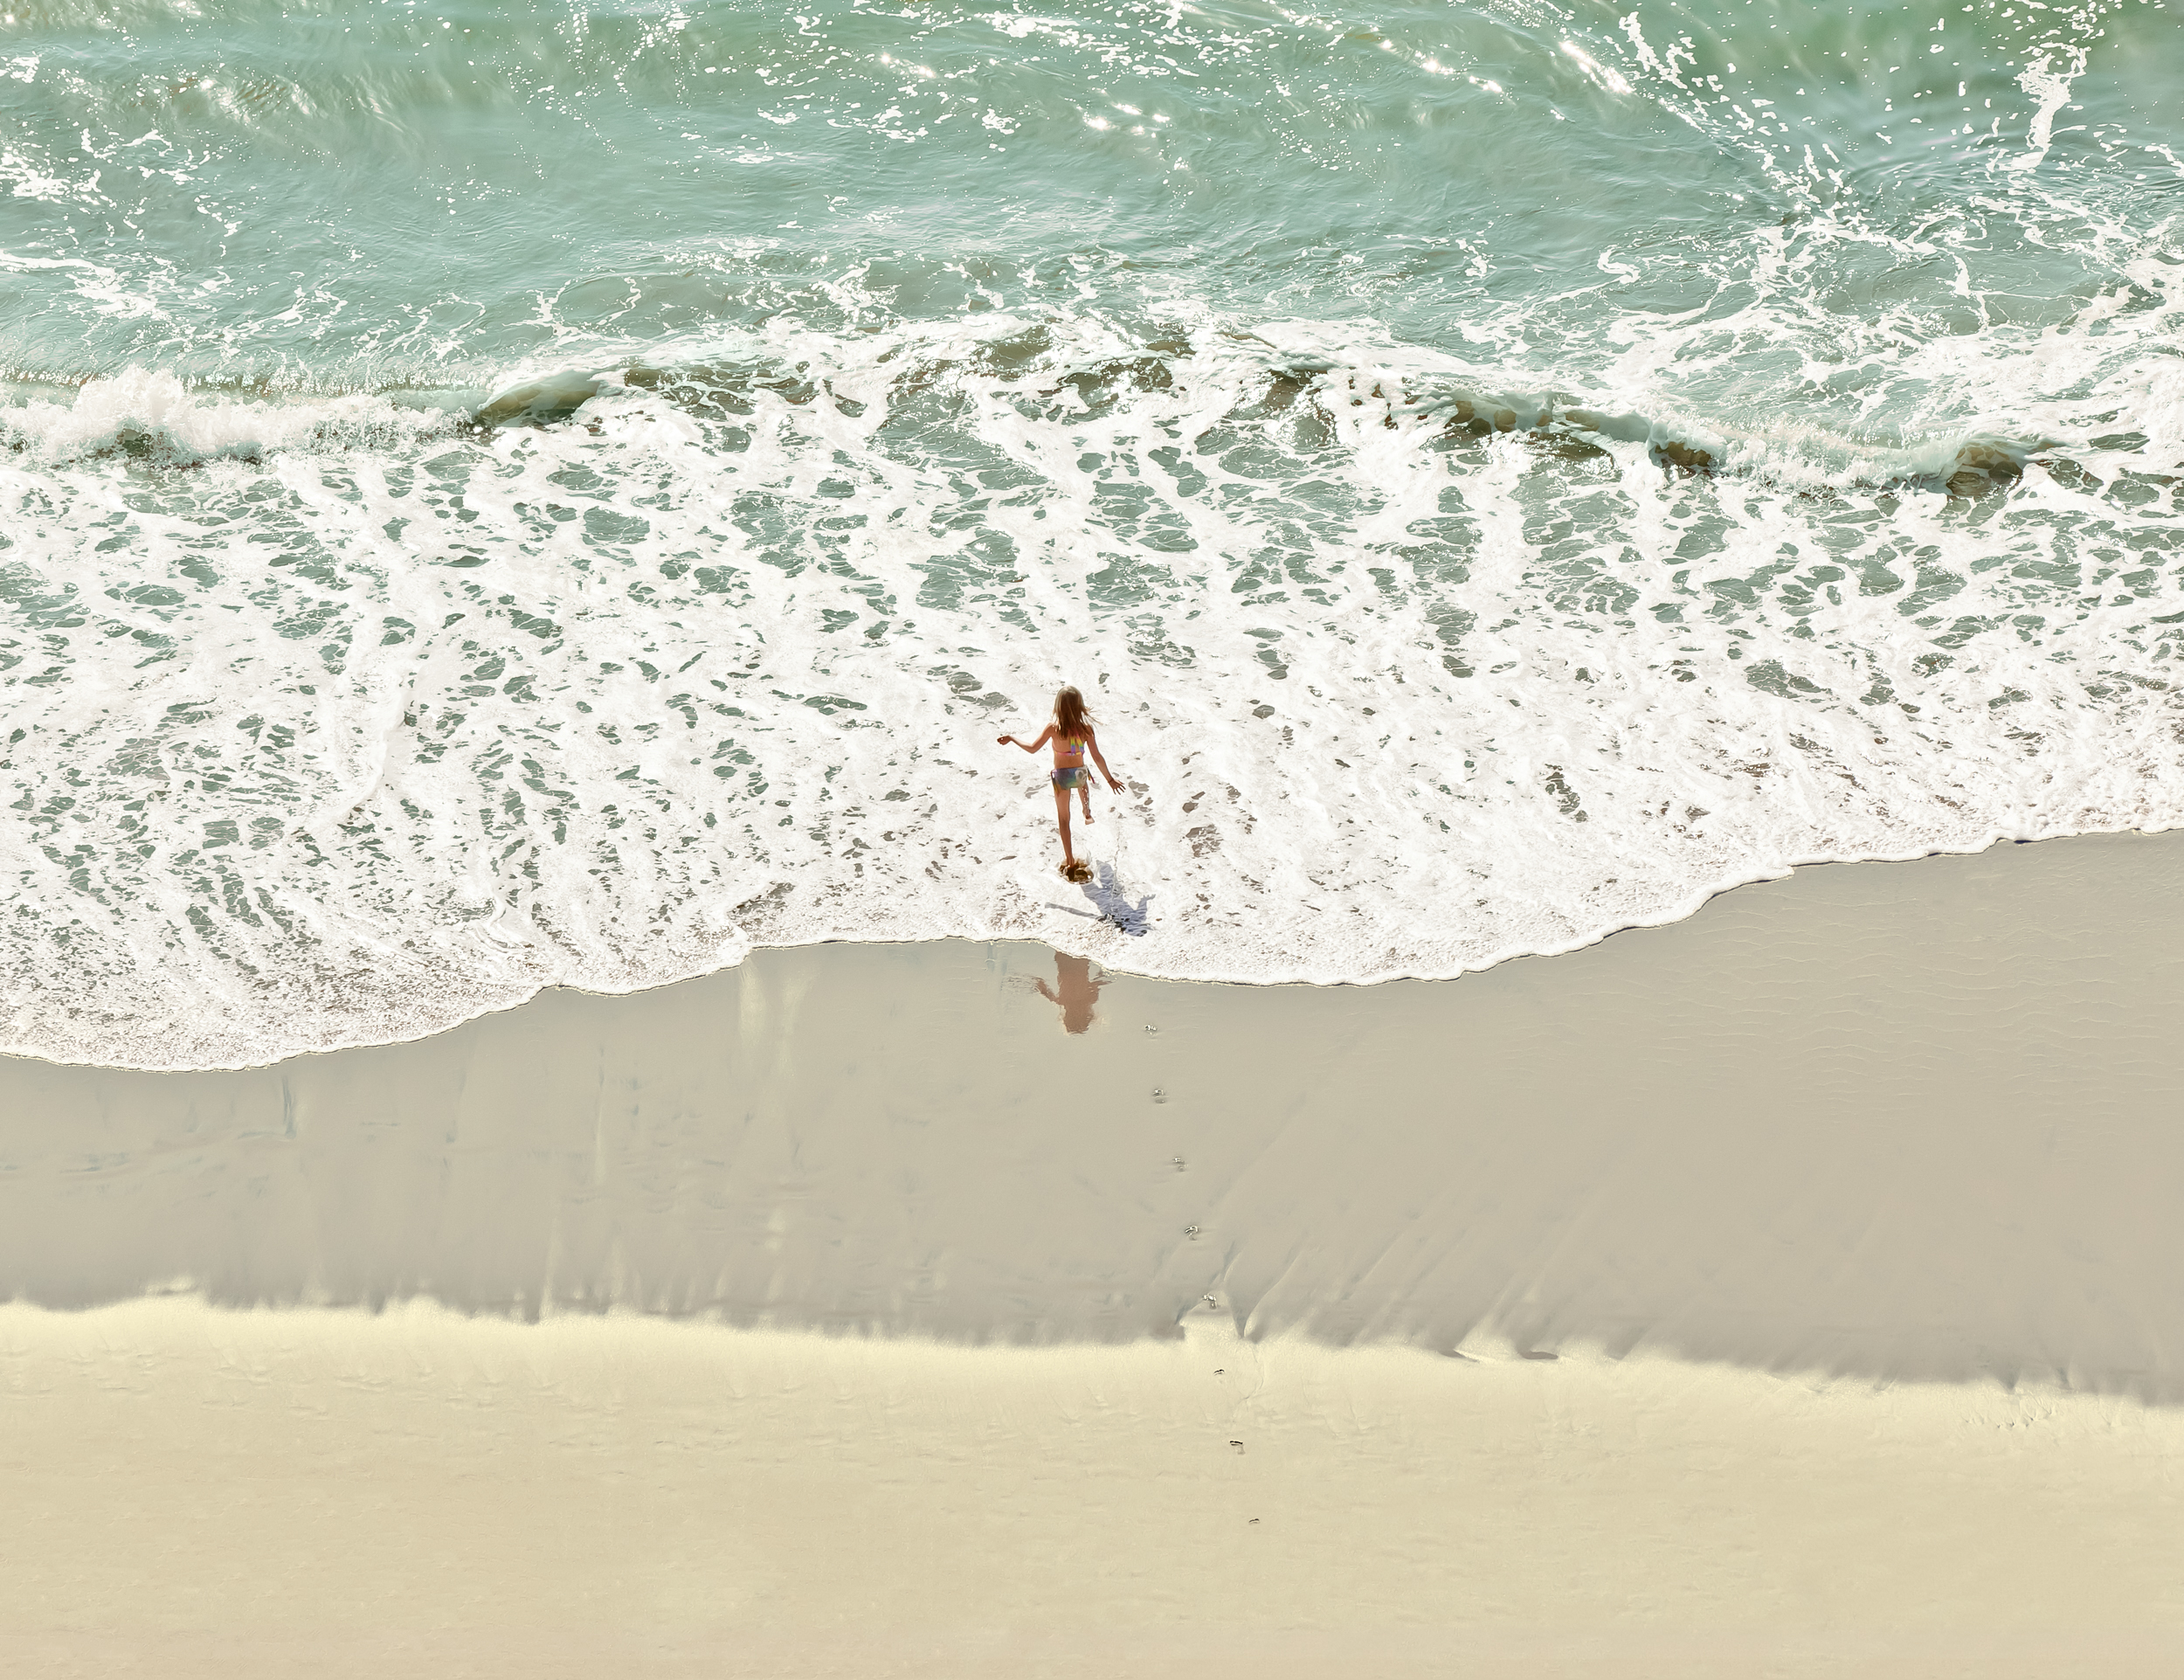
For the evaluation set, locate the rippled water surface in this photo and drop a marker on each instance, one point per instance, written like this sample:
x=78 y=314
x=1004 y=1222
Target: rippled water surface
x=494 y=496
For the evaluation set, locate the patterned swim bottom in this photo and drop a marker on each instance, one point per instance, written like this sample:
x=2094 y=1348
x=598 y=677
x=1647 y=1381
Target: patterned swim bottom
x=1073 y=779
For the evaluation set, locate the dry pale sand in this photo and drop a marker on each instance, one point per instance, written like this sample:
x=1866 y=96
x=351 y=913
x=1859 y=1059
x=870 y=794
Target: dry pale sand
x=1848 y=1206
x=193 y=1494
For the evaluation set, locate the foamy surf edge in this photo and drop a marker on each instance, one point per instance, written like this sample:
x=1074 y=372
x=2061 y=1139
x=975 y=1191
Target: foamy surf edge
x=1117 y=948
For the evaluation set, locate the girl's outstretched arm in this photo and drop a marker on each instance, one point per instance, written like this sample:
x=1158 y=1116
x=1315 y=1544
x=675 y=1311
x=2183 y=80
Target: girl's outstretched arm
x=1092 y=743
x=1045 y=736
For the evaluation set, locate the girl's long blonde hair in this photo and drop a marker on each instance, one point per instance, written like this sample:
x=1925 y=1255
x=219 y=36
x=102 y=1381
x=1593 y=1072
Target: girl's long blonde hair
x=1072 y=721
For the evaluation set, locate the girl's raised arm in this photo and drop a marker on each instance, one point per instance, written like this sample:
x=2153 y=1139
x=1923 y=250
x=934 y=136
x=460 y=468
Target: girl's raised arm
x=1044 y=735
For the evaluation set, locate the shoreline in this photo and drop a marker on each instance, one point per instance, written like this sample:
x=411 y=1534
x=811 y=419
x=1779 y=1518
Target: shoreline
x=1118 y=927
x=1887 y=1121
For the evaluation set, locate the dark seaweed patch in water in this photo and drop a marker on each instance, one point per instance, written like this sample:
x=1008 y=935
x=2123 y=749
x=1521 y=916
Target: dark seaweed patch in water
x=1682 y=457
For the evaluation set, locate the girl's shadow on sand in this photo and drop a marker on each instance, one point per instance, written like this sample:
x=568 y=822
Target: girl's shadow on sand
x=1111 y=903
x=1106 y=892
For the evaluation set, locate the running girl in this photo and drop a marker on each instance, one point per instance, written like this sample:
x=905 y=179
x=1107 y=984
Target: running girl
x=1071 y=732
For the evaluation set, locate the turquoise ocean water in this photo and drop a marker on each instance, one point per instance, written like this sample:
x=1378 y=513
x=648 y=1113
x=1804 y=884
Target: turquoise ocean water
x=500 y=496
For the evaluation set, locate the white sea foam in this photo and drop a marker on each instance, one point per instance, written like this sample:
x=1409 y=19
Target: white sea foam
x=2048 y=81
x=331 y=723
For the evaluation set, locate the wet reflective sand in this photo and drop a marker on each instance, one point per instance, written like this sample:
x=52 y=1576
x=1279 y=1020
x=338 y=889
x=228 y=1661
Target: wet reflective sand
x=1889 y=1120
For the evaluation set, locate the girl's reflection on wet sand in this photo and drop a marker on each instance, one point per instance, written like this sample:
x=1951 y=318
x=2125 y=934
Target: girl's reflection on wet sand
x=1074 y=989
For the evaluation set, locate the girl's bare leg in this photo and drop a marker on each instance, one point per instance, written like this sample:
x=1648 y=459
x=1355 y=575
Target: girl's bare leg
x=1062 y=816
x=1086 y=794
